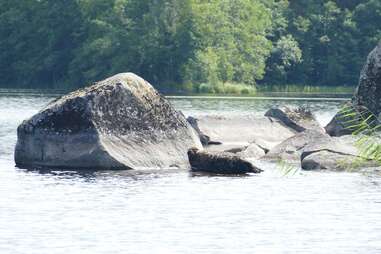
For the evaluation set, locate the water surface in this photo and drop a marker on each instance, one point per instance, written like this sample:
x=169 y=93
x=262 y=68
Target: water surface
x=177 y=212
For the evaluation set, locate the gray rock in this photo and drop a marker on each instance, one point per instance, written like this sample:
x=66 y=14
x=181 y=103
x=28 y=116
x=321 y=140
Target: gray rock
x=316 y=150
x=349 y=119
x=299 y=119
x=336 y=153
x=219 y=163
x=239 y=131
x=119 y=123
x=331 y=160
x=292 y=148
x=368 y=92
x=252 y=151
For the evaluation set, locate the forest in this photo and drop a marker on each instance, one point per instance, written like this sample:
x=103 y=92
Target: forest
x=186 y=45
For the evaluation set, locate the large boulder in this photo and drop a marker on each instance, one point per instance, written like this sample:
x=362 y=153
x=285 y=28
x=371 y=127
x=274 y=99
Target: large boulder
x=219 y=163
x=297 y=119
x=368 y=92
x=119 y=123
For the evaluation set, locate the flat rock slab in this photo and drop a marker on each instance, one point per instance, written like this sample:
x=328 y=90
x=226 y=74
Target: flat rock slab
x=235 y=132
x=119 y=123
x=219 y=163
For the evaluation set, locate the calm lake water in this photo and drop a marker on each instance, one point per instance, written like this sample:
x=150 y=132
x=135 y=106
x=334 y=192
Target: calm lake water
x=176 y=212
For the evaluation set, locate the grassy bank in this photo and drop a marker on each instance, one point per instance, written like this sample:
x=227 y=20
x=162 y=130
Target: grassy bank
x=240 y=89
x=306 y=89
x=209 y=89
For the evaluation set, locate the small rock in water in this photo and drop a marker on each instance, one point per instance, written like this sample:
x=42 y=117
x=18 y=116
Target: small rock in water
x=219 y=163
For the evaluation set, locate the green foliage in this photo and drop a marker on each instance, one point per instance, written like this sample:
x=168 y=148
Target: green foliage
x=69 y=43
x=366 y=127
x=306 y=89
x=231 y=39
x=225 y=88
x=286 y=168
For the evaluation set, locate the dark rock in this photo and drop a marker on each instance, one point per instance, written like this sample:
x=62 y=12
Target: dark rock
x=368 y=92
x=299 y=119
x=219 y=163
x=214 y=143
x=236 y=150
x=205 y=139
x=351 y=119
x=119 y=123
x=366 y=101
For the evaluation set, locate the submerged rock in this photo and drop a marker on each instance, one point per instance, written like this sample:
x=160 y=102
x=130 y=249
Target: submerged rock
x=219 y=163
x=119 y=123
x=299 y=119
x=368 y=92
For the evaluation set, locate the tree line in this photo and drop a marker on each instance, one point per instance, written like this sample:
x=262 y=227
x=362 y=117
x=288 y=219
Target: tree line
x=186 y=43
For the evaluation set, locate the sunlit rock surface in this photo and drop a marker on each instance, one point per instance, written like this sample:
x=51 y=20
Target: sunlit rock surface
x=315 y=150
x=242 y=131
x=292 y=148
x=119 y=123
x=336 y=153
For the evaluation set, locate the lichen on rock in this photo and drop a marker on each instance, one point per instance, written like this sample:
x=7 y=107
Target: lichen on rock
x=119 y=123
